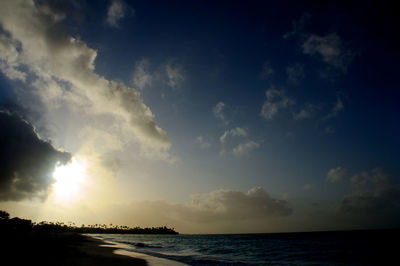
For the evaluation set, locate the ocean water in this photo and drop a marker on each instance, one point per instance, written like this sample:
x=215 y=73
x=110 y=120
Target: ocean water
x=329 y=248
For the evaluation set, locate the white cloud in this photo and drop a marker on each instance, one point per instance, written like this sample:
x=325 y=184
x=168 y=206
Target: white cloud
x=141 y=75
x=308 y=111
x=295 y=73
x=204 y=144
x=331 y=50
x=234 y=132
x=337 y=108
x=9 y=59
x=245 y=147
x=218 y=112
x=302 y=114
x=267 y=72
x=116 y=11
x=64 y=68
x=337 y=174
x=175 y=76
x=169 y=73
x=276 y=100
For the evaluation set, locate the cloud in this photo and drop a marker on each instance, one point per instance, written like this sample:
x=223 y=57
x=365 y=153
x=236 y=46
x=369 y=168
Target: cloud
x=337 y=174
x=9 y=55
x=204 y=144
x=220 y=211
x=376 y=179
x=169 y=73
x=116 y=11
x=218 y=112
x=231 y=204
x=175 y=76
x=373 y=199
x=329 y=130
x=62 y=70
x=141 y=75
x=308 y=111
x=26 y=161
x=276 y=101
x=298 y=26
x=374 y=193
x=331 y=50
x=234 y=132
x=337 y=108
x=245 y=147
x=308 y=186
x=267 y=72
x=295 y=73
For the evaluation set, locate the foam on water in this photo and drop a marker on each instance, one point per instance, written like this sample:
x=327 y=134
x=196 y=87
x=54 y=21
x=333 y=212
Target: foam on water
x=323 y=248
x=126 y=250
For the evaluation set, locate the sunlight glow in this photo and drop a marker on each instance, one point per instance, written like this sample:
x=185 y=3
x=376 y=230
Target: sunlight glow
x=68 y=179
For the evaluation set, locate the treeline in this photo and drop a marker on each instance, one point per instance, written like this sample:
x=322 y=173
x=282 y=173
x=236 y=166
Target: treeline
x=24 y=225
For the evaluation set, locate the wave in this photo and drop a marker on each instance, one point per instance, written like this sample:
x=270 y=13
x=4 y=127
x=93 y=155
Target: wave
x=144 y=245
x=141 y=244
x=346 y=248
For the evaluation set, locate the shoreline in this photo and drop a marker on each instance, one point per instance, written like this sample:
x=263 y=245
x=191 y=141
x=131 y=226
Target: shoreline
x=126 y=250
x=98 y=248
x=27 y=248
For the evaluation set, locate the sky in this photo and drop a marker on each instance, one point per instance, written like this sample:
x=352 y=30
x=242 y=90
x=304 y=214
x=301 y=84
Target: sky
x=205 y=116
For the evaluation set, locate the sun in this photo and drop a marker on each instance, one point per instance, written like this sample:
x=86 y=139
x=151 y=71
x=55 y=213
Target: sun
x=68 y=179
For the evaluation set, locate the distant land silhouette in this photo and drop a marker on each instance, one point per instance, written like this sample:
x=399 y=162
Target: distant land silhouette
x=23 y=225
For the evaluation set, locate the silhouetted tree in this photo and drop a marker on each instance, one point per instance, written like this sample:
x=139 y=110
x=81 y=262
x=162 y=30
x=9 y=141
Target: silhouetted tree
x=22 y=225
x=4 y=215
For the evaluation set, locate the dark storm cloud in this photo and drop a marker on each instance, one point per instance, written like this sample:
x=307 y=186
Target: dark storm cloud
x=373 y=199
x=373 y=193
x=232 y=204
x=224 y=209
x=380 y=202
x=26 y=161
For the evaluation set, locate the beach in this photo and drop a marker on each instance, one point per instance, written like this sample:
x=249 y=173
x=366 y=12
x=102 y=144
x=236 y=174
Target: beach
x=359 y=247
x=27 y=248
x=372 y=247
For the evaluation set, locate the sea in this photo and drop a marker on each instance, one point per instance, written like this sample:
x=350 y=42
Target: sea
x=373 y=247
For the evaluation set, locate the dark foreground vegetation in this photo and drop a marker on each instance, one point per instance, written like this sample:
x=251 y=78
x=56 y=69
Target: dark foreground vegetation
x=24 y=225
x=26 y=243
x=61 y=249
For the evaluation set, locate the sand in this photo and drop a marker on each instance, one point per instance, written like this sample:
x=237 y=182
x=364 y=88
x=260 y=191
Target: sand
x=126 y=250
x=59 y=249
